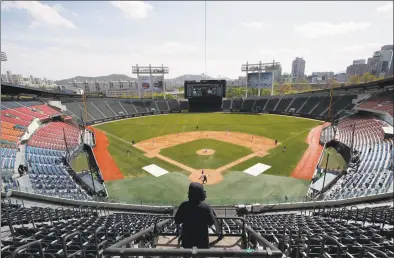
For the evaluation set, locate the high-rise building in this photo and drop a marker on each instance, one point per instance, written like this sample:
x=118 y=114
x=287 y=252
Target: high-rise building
x=358 y=67
x=380 y=63
x=298 y=68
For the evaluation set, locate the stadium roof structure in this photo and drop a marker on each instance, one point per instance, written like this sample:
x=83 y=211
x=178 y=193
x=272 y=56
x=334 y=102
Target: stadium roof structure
x=12 y=89
x=318 y=185
x=366 y=86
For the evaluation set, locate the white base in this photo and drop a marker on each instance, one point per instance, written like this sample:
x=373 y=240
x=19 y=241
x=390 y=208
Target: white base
x=257 y=169
x=155 y=170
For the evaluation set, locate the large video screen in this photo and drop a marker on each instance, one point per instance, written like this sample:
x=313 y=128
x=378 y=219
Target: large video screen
x=264 y=80
x=205 y=89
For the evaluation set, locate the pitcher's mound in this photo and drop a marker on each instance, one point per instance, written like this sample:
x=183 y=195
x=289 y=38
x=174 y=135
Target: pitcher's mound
x=205 y=152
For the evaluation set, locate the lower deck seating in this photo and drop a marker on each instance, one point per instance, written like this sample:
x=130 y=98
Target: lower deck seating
x=56 y=135
x=48 y=176
x=88 y=138
x=173 y=104
x=342 y=224
x=375 y=173
x=382 y=102
x=226 y=104
x=7 y=160
x=247 y=105
x=236 y=104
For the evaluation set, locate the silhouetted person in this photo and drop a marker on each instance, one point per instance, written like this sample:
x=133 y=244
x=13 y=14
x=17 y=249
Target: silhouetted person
x=195 y=216
x=25 y=169
x=20 y=170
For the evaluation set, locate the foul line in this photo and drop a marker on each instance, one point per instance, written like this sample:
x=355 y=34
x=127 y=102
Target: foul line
x=116 y=137
x=273 y=155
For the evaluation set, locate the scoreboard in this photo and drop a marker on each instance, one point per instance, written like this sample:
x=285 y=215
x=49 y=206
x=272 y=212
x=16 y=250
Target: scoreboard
x=205 y=89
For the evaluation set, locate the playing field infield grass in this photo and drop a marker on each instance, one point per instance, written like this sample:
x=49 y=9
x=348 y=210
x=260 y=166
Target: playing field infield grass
x=282 y=162
x=224 y=153
x=131 y=164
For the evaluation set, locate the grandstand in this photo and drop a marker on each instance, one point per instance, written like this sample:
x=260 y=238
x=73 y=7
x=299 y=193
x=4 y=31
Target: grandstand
x=62 y=216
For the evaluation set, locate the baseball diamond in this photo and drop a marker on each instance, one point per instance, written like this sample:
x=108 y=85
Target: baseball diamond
x=235 y=143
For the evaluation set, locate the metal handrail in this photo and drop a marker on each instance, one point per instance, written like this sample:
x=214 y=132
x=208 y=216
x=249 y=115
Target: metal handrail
x=82 y=251
x=20 y=248
x=324 y=239
x=363 y=248
x=218 y=218
x=306 y=231
x=187 y=252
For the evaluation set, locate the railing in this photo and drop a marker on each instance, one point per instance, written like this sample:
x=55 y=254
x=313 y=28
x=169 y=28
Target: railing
x=123 y=249
x=156 y=207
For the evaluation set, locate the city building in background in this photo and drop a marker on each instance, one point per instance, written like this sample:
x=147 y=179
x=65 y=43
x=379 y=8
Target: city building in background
x=358 y=67
x=380 y=63
x=341 y=77
x=324 y=75
x=96 y=87
x=30 y=81
x=298 y=68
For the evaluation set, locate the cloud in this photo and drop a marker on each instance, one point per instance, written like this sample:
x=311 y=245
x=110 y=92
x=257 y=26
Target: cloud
x=386 y=8
x=43 y=15
x=252 y=24
x=358 y=48
x=74 y=14
x=318 y=29
x=133 y=10
x=58 y=7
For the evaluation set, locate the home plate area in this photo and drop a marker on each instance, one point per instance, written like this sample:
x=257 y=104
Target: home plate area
x=257 y=169
x=155 y=170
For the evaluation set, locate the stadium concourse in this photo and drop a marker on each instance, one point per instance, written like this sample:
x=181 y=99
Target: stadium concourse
x=51 y=211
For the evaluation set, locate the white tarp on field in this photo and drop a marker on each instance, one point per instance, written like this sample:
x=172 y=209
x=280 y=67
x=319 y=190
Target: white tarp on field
x=155 y=170
x=257 y=169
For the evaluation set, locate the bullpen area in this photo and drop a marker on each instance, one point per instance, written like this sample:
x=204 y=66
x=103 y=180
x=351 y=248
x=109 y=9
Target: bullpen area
x=245 y=158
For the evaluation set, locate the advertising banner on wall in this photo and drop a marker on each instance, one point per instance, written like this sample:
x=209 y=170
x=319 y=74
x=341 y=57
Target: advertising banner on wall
x=158 y=83
x=265 y=81
x=145 y=83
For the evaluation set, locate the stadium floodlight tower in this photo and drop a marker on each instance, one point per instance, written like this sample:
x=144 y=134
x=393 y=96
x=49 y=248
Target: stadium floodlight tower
x=150 y=78
x=260 y=76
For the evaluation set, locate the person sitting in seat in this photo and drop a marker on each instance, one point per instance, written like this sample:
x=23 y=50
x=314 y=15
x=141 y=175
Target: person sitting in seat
x=195 y=216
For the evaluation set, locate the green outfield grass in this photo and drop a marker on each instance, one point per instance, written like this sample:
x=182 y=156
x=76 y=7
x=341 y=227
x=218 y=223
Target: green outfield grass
x=224 y=153
x=289 y=131
x=237 y=187
x=335 y=160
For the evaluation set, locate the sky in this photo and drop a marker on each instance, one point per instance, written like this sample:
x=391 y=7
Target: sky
x=60 y=40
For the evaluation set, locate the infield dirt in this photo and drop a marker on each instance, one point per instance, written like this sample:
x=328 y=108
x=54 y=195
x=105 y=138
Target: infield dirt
x=259 y=145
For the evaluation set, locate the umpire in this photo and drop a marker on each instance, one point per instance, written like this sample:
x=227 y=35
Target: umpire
x=195 y=216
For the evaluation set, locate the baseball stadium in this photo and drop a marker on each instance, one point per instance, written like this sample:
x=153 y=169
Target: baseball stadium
x=302 y=175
